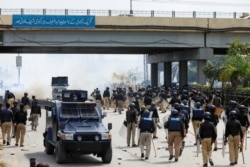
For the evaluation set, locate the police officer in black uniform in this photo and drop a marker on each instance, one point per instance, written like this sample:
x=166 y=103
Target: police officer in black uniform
x=214 y=120
x=14 y=109
x=131 y=118
x=234 y=136
x=25 y=101
x=207 y=135
x=20 y=121
x=244 y=121
x=155 y=117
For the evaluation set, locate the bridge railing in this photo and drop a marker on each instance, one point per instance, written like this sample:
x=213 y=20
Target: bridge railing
x=127 y=13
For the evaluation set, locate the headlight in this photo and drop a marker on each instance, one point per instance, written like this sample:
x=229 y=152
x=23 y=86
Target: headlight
x=67 y=136
x=79 y=138
x=97 y=138
x=106 y=136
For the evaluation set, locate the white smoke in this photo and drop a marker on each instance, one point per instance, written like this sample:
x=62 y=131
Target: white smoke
x=85 y=72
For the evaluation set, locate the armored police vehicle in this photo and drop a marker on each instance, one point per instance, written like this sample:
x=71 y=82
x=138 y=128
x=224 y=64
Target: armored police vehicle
x=74 y=127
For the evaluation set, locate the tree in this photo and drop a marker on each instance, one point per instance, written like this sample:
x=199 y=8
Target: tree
x=237 y=66
x=212 y=71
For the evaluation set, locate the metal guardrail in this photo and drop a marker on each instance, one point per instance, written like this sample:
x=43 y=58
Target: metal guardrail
x=127 y=13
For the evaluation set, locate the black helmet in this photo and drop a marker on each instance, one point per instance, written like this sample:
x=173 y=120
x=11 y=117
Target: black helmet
x=152 y=105
x=15 y=102
x=131 y=105
x=197 y=104
x=233 y=103
x=146 y=114
x=212 y=108
x=21 y=106
x=242 y=108
x=174 y=112
x=184 y=102
x=176 y=106
x=233 y=114
x=25 y=94
x=207 y=116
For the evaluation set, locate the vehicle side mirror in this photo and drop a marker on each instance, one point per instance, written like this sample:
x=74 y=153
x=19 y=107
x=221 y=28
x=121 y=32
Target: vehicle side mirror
x=109 y=126
x=104 y=114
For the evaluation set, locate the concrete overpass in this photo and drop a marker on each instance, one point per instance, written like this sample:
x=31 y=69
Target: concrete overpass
x=163 y=39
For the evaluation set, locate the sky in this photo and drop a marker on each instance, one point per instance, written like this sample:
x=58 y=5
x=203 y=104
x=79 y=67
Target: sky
x=91 y=71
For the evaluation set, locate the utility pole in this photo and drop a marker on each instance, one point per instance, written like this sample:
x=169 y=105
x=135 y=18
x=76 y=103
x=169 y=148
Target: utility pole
x=145 y=61
x=19 y=65
x=131 y=9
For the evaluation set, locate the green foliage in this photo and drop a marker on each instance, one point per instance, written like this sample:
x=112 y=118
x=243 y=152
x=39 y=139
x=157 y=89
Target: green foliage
x=237 y=66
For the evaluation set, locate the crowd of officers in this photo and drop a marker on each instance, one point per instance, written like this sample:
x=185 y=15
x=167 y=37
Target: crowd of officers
x=187 y=105
x=14 y=116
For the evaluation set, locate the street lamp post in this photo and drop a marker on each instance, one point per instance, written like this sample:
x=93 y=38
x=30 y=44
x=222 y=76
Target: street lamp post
x=131 y=9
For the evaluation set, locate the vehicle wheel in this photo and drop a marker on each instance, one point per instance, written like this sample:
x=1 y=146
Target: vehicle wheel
x=60 y=153
x=107 y=155
x=49 y=148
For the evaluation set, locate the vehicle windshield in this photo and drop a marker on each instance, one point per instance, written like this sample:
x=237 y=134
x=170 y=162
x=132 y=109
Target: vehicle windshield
x=78 y=111
x=88 y=113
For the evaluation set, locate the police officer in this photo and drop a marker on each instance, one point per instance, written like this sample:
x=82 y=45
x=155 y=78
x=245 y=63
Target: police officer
x=176 y=132
x=114 y=100
x=25 y=101
x=131 y=118
x=14 y=109
x=234 y=135
x=120 y=101
x=217 y=104
x=162 y=101
x=130 y=95
x=35 y=114
x=197 y=118
x=98 y=98
x=9 y=98
x=106 y=97
x=147 y=127
x=215 y=120
x=244 y=121
x=155 y=117
x=6 y=121
x=20 y=121
x=207 y=135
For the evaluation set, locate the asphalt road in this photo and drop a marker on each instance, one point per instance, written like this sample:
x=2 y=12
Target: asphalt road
x=123 y=156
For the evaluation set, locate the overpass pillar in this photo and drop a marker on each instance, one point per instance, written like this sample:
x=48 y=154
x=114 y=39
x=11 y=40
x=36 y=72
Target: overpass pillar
x=167 y=73
x=183 y=73
x=154 y=74
x=201 y=78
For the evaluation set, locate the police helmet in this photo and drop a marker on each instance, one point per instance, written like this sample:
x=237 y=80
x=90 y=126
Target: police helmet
x=242 y=108
x=174 y=112
x=25 y=94
x=207 y=116
x=21 y=106
x=176 y=105
x=233 y=114
x=212 y=108
x=184 y=102
x=15 y=102
x=152 y=105
x=232 y=103
x=132 y=105
x=197 y=104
